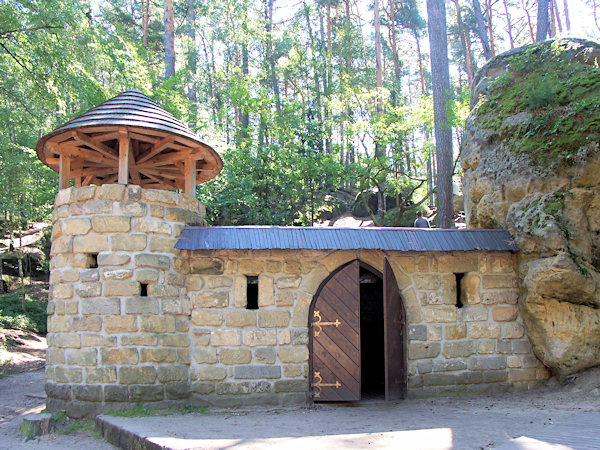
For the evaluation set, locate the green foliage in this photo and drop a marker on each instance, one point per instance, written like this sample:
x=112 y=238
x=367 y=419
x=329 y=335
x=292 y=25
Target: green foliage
x=138 y=410
x=59 y=417
x=561 y=94
x=12 y=315
x=78 y=426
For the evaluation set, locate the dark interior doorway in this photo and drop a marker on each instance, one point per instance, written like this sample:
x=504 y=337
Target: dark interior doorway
x=372 y=336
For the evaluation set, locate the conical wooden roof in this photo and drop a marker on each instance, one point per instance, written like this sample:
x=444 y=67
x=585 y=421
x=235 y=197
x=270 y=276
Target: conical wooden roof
x=129 y=139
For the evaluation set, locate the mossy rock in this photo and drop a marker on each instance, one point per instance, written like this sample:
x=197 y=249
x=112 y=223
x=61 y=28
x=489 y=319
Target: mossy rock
x=542 y=101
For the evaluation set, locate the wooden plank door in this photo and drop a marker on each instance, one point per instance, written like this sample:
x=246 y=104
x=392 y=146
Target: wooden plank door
x=335 y=338
x=395 y=334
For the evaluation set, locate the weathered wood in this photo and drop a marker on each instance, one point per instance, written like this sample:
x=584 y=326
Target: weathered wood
x=156 y=149
x=190 y=177
x=64 y=174
x=92 y=143
x=335 y=338
x=73 y=150
x=144 y=138
x=166 y=159
x=103 y=137
x=124 y=149
x=161 y=142
x=35 y=425
x=395 y=337
x=135 y=174
x=95 y=171
x=161 y=180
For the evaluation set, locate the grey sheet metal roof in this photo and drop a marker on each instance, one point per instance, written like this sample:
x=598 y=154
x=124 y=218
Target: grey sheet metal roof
x=321 y=238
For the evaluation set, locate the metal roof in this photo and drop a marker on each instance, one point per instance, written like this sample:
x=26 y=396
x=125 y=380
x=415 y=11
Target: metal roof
x=323 y=238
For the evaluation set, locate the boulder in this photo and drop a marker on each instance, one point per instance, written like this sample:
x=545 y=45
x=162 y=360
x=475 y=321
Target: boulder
x=530 y=169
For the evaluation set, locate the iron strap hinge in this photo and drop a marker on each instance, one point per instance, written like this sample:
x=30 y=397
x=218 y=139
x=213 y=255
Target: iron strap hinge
x=319 y=324
x=318 y=383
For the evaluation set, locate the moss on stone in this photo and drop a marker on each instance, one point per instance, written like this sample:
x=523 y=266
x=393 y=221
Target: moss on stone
x=547 y=102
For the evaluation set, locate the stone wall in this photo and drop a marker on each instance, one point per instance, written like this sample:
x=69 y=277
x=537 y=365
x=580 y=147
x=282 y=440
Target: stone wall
x=118 y=316
x=133 y=319
x=242 y=356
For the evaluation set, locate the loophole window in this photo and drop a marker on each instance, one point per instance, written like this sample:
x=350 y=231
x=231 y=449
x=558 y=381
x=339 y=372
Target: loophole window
x=251 y=292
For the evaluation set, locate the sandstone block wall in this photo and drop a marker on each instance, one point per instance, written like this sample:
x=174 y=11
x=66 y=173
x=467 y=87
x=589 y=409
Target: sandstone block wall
x=133 y=319
x=118 y=316
x=242 y=356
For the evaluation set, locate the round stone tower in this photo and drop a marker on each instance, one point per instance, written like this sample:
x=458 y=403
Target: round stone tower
x=118 y=310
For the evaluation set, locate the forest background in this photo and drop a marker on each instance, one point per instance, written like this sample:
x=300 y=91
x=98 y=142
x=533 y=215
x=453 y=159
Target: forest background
x=315 y=105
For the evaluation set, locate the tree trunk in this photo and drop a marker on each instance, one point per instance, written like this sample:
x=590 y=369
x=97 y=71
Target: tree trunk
x=481 y=30
x=530 y=25
x=557 y=15
x=552 y=19
x=463 y=40
x=488 y=13
x=420 y=60
x=169 y=40
x=396 y=59
x=317 y=84
x=542 y=21
x=379 y=151
x=244 y=123
x=145 y=21
x=192 y=64
x=440 y=76
x=508 y=25
x=567 y=21
x=326 y=77
x=271 y=56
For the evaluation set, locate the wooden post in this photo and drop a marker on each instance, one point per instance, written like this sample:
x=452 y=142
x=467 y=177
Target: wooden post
x=124 y=146
x=64 y=174
x=189 y=186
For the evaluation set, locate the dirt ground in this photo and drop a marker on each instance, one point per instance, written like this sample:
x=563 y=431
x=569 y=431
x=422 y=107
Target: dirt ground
x=23 y=352
x=474 y=422
x=467 y=422
x=484 y=421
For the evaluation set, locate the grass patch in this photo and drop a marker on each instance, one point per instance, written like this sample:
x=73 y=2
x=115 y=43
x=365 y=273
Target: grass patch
x=12 y=314
x=138 y=410
x=79 y=426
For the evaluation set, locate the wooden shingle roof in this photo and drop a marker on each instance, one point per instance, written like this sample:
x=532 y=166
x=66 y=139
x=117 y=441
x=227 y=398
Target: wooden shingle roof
x=129 y=139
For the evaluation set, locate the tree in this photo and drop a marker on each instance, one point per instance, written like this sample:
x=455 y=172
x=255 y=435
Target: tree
x=481 y=30
x=169 y=40
x=440 y=77
x=542 y=21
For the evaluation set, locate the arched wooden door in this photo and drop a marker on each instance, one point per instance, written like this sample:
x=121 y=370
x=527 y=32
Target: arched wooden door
x=335 y=337
x=395 y=336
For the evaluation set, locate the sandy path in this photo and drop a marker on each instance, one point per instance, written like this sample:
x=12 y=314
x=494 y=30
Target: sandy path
x=461 y=423
x=23 y=394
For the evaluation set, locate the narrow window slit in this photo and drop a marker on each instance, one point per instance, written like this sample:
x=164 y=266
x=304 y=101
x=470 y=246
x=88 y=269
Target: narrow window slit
x=459 y=277
x=93 y=260
x=251 y=292
x=143 y=289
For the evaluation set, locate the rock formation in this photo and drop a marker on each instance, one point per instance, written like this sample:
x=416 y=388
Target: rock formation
x=531 y=165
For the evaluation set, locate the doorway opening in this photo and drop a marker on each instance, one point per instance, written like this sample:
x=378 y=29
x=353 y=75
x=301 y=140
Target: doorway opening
x=372 y=336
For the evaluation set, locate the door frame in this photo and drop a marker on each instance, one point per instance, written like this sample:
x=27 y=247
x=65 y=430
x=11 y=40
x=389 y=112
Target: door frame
x=386 y=350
